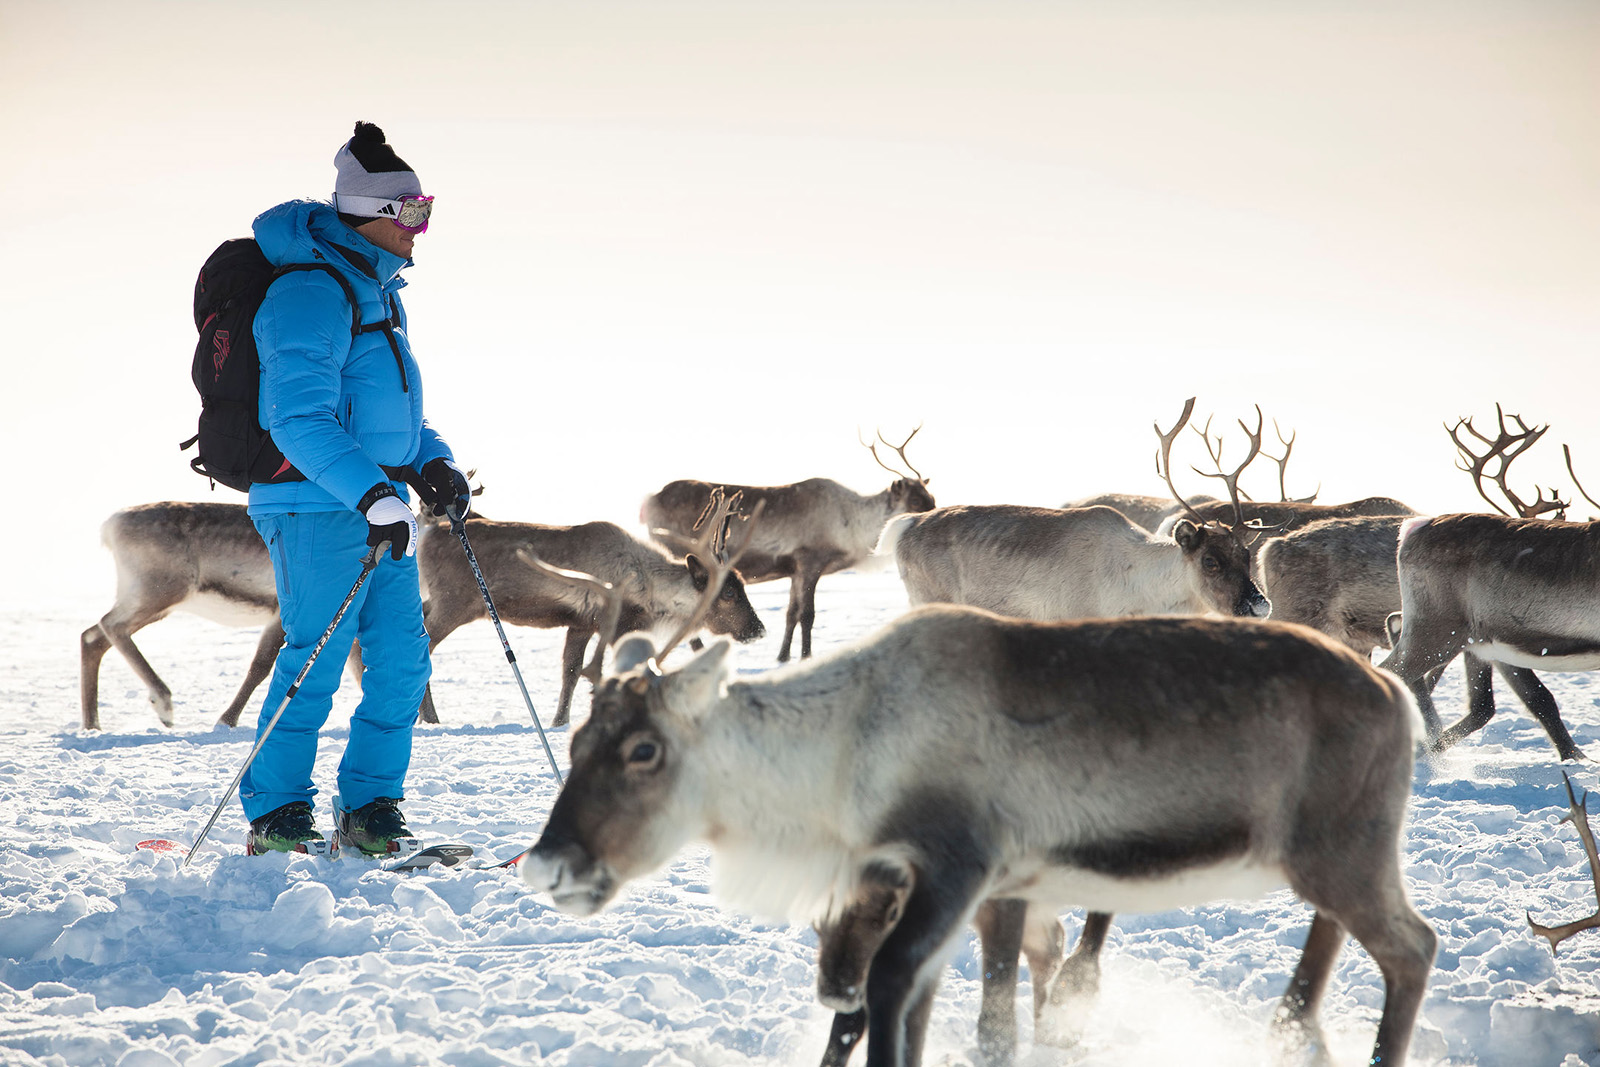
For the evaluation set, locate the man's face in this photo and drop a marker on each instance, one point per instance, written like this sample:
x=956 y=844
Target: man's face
x=389 y=237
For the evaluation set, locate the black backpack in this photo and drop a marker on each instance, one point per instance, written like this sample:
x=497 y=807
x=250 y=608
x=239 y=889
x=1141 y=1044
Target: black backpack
x=234 y=449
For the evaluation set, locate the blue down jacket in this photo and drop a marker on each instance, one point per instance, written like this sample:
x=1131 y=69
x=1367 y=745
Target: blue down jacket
x=337 y=407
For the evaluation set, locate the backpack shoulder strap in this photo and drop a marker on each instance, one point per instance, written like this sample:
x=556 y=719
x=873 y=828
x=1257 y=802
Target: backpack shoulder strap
x=344 y=284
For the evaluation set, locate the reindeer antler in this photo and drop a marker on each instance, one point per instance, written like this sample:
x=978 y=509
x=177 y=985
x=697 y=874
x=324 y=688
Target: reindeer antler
x=1164 y=458
x=1283 y=464
x=721 y=559
x=1580 y=821
x=899 y=448
x=1566 y=451
x=1505 y=447
x=1231 y=480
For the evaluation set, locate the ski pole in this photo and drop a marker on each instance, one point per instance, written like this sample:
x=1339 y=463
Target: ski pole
x=368 y=562
x=458 y=526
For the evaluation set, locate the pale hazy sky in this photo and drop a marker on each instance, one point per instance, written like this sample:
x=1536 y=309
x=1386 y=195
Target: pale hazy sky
x=712 y=239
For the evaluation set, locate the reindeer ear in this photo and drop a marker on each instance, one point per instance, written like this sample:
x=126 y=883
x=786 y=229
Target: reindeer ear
x=697 y=572
x=632 y=651
x=1187 y=534
x=692 y=689
x=1391 y=628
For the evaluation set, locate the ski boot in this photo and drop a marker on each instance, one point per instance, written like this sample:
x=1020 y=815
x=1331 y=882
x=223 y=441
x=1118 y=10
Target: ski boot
x=373 y=830
x=291 y=828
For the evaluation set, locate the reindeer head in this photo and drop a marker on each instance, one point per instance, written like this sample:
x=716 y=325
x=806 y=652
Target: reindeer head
x=906 y=493
x=731 y=612
x=1220 y=574
x=1221 y=553
x=631 y=798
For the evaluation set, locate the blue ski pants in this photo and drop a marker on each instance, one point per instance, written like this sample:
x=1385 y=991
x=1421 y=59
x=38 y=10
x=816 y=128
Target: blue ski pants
x=316 y=558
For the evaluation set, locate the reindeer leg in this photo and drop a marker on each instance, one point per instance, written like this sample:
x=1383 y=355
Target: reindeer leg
x=1076 y=985
x=906 y=968
x=1480 y=703
x=1543 y=706
x=1419 y=667
x=792 y=616
x=1000 y=925
x=917 y=1024
x=1045 y=946
x=93 y=646
x=120 y=630
x=848 y=1030
x=1356 y=886
x=1296 y=1014
x=260 y=666
x=1402 y=944
x=808 y=578
x=427 y=711
x=572 y=651
x=440 y=625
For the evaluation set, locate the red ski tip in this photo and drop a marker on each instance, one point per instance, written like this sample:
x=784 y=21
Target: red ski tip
x=161 y=844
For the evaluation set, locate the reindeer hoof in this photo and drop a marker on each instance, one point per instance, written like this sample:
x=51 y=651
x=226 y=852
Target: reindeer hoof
x=1064 y=1018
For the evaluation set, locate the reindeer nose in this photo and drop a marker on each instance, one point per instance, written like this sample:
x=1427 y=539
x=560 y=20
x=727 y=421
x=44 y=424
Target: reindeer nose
x=1252 y=604
x=542 y=869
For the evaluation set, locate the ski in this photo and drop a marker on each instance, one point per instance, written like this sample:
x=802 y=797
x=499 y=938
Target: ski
x=411 y=852
x=320 y=846
x=161 y=844
x=432 y=855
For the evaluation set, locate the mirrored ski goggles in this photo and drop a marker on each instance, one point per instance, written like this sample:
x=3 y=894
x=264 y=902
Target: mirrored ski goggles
x=410 y=213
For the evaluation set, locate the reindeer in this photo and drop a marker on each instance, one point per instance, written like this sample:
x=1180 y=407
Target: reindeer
x=1337 y=576
x=1517 y=591
x=810 y=529
x=1042 y=563
x=657 y=591
x=203 y=558
x=979 y=757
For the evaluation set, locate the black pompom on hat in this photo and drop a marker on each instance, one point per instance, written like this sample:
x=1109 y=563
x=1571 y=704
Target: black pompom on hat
x=369 y=170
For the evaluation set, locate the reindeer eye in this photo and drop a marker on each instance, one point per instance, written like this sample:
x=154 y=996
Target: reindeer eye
x=644 y=753
x=1210 y=565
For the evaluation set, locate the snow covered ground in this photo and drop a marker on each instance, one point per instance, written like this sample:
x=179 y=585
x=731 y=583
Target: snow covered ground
x=113 y=955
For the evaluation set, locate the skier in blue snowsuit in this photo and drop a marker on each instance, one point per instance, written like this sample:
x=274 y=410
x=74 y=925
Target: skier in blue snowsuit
x=346 y=411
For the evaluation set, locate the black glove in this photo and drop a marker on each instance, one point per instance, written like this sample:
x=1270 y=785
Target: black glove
x=447 y=488
x=388 y=519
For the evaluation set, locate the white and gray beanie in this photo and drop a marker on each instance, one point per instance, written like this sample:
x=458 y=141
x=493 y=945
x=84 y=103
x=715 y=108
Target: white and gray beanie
x=370 y=175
